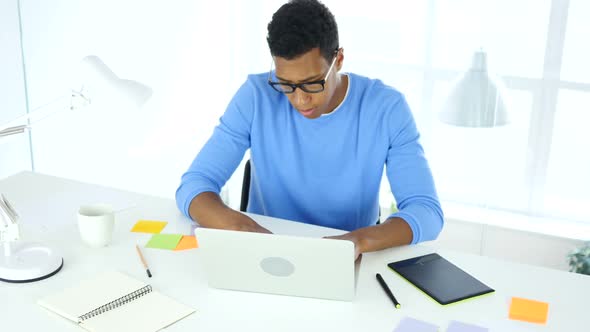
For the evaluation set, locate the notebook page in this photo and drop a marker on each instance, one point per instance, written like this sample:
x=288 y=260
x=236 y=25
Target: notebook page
x=90 y=294
x=151 y=312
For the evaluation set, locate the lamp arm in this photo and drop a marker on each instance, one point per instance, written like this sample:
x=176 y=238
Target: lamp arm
x=78 y=99
x=13 y=130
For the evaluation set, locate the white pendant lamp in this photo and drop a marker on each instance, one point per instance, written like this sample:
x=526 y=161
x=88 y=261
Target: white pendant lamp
x=475 y=100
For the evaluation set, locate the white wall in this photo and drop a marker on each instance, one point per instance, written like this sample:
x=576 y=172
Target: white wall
x=14 y=150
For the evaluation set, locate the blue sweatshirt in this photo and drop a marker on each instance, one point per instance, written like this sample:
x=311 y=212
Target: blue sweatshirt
x=325 y=171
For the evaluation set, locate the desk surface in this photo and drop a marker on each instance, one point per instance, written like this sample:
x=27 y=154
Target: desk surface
x=48 y=207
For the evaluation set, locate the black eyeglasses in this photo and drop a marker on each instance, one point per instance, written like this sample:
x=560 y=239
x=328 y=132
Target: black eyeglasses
x=309 y=87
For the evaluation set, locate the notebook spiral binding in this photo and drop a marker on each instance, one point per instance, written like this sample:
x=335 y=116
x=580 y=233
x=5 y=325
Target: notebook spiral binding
x=116 y=303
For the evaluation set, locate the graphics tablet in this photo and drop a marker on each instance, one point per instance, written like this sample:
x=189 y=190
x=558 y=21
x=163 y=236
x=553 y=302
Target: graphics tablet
x=440 y=279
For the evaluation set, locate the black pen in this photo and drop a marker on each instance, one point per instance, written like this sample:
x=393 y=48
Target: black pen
x=387 y=290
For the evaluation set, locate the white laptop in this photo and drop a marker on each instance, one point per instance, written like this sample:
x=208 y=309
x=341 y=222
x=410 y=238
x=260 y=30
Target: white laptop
x=278 y=264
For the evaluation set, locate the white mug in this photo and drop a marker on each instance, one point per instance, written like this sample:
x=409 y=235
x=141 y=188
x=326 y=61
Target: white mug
x=96 y=223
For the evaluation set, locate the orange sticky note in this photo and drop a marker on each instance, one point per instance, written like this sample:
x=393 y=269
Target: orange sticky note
x=528 y=310
x=187 y=242
x=149 y=226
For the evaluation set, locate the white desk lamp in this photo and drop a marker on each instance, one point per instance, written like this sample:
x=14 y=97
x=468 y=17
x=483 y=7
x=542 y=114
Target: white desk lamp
x=99 y=84
x=20 y=261
x=475 y=100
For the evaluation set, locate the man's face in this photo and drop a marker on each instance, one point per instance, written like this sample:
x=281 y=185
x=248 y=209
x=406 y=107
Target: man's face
x=309 y=67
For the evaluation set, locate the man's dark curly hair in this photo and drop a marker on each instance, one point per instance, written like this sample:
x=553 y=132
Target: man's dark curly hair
x=301 y=25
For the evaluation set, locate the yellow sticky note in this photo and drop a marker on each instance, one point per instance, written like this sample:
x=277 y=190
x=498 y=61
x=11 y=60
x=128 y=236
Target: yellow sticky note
x=528 y=310
x=187 y=242
x=149 y=226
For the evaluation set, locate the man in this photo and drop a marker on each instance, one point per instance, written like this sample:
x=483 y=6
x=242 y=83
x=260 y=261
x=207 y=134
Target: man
x=318 y=141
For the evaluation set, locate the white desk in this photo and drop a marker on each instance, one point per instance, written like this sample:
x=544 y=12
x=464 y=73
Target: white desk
x=48 y=207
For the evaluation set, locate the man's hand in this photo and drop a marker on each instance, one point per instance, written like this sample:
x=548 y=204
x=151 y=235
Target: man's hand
x=241 y=222
x=209 y=211
x=391 y=233
x=351 y=236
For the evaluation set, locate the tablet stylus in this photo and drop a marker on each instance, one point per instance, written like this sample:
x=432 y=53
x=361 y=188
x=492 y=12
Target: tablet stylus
x=387 y=290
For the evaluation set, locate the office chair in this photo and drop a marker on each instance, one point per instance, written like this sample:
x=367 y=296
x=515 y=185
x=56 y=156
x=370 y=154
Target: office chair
x=245 y=187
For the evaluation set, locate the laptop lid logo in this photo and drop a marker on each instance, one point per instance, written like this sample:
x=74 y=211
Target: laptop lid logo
x=277 y=266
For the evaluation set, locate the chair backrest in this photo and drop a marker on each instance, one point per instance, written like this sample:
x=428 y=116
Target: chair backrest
x=245 y=187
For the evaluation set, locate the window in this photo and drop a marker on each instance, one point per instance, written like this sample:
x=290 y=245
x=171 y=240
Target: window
x=566 y=192
x=519 y=167
x=538 y=50
x=576 y=51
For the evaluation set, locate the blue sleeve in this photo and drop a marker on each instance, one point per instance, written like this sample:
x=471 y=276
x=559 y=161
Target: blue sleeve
x=222 y=153
x=410 y=177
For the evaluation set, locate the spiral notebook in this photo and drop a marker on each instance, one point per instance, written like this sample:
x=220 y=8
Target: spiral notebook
x=116 y=302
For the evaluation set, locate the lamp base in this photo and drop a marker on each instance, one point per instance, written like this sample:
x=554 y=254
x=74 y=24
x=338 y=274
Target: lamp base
x=29 y=262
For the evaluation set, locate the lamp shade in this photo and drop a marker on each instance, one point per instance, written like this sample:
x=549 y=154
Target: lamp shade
x=104 y=85
x=475 y=100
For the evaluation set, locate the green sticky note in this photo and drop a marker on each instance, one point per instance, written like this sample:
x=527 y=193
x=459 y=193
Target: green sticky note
x=164 y=241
